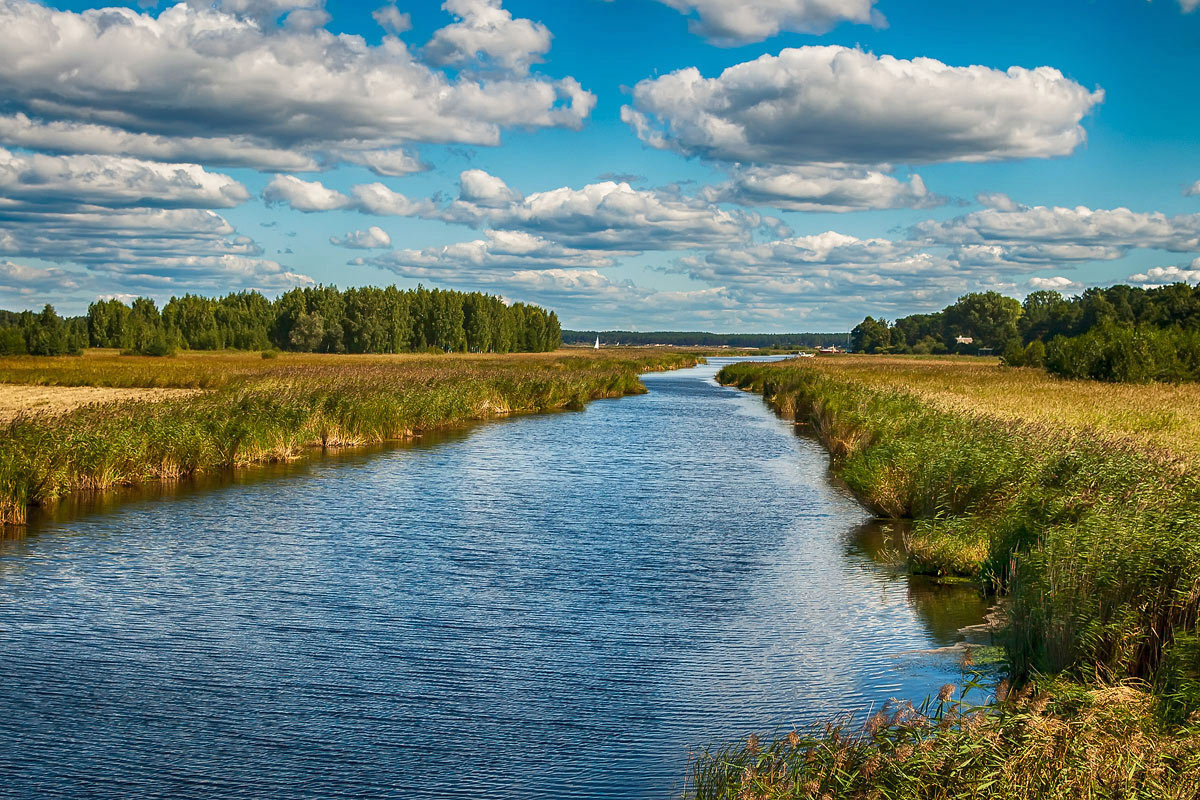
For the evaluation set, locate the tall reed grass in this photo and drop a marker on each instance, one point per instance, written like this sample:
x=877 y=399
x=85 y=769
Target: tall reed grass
x=1093 y=540
x=1057 y=742
x=1090 y=533
x=273 y=410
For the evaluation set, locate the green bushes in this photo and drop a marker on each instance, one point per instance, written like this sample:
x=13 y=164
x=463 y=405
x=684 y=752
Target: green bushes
x=1094 y=542
x=1123 y=354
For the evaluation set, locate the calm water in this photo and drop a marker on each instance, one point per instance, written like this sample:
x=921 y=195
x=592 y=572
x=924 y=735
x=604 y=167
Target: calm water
x=544 y=607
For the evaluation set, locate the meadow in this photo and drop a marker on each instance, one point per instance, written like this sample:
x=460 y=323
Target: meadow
x=1075 y=503
x=255 y=409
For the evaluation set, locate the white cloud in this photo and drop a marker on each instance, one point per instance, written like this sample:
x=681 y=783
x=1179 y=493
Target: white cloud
x=26 y=280
x=36 y=180
x=606 y=215
x=490 y=256
x=389 y=163
x=1189 y=6
x=375 y=198
x=1163 y=276
x=200 y=74
x=733 y=23
x=1041 y=236
x=834 y=104
x=372 y=238
x=998 y=201
x=821 y=188
x=307 y=196
x=20 y=130
x=392 y=20
x=488 y=35
x=1058 y=283
x=601 y=216
x=1194 y=189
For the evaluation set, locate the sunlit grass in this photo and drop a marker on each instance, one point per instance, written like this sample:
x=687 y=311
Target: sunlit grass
x=1164 y=416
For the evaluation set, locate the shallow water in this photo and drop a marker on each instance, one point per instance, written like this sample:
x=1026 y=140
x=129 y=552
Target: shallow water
x=557 y=606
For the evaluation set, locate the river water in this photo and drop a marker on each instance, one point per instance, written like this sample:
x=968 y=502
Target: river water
x=556 y=606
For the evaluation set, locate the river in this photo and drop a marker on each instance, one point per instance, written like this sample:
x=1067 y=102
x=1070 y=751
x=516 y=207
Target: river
x=556 y=606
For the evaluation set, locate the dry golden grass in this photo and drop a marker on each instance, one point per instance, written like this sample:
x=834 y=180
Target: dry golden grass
x=24 y=399
x=1163 y=417
x=205 y=369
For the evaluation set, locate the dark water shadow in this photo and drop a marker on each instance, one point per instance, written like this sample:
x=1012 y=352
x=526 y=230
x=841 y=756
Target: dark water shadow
x=950 y=612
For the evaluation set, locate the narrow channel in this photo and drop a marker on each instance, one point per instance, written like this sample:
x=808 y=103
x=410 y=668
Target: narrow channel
x=557 y=606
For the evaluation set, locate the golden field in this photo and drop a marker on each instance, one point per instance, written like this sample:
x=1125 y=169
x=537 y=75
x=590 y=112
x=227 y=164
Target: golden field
x=1159 y=416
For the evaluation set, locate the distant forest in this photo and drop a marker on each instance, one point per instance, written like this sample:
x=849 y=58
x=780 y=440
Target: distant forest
x=319 y=319
x=783 y=341
x=1119 y=333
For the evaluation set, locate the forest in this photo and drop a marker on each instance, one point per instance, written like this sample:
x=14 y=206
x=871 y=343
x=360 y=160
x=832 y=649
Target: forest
x=785 y=341
x=1118 y=333
x=321 y=319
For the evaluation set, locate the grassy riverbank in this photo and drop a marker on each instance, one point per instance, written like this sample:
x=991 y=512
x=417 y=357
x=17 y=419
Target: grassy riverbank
x=1054 y=497
x=259 y=410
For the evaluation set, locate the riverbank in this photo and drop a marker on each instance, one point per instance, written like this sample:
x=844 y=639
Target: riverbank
x=261 y=410
x=1086 y=529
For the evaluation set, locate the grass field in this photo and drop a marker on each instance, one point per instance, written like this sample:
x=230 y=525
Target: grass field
x=1079 y=504
x=1162 y=416
x=259 y=410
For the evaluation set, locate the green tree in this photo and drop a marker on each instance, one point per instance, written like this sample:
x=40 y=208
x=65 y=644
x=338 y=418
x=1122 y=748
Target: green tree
x=871 y=336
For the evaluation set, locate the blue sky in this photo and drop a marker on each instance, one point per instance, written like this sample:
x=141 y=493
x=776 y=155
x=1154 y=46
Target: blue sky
x=767 y=165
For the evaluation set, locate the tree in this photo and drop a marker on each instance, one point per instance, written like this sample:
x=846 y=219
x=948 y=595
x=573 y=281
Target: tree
x=308 y=333
x=871 y=336
x=988 y=317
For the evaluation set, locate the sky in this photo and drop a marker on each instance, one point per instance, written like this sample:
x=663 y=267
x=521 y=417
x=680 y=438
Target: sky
x=758 y=166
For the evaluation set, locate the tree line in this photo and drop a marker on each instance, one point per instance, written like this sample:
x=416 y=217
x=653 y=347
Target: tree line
x=321 y=319
x=783 y=341
x=1117 y=333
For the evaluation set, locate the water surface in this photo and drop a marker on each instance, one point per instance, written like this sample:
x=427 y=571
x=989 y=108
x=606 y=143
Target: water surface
x=556 y=606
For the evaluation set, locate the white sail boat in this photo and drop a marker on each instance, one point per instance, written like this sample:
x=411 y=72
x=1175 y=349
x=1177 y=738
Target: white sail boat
x=597 y=347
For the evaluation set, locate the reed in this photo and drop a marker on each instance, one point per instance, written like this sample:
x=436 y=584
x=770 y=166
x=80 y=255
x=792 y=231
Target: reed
x=1056 y=740
x=1092 y=537
x=1052 y=498
x=265 y=410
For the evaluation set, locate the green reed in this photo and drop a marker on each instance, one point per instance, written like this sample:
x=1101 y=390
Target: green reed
x=1056 y=741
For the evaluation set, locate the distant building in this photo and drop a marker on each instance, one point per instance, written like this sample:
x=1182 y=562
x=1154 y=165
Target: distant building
x=964 y=339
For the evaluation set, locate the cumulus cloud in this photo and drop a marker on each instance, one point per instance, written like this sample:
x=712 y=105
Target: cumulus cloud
x=821 y=188
x=1163 y=276
x=601 y=216
x=1194 y=189
x=487 y=35
x=1189 y=5
x=301 y=195
x=372 y=238
x=25 y=280
x=41 y=181
x=1043 y=236
x=20 y=130
x=726 y=23
x=606 y=215
x=392 y=19
x=490 y=256
x=1057 y=283
x=198 y=73
x=835 y=104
